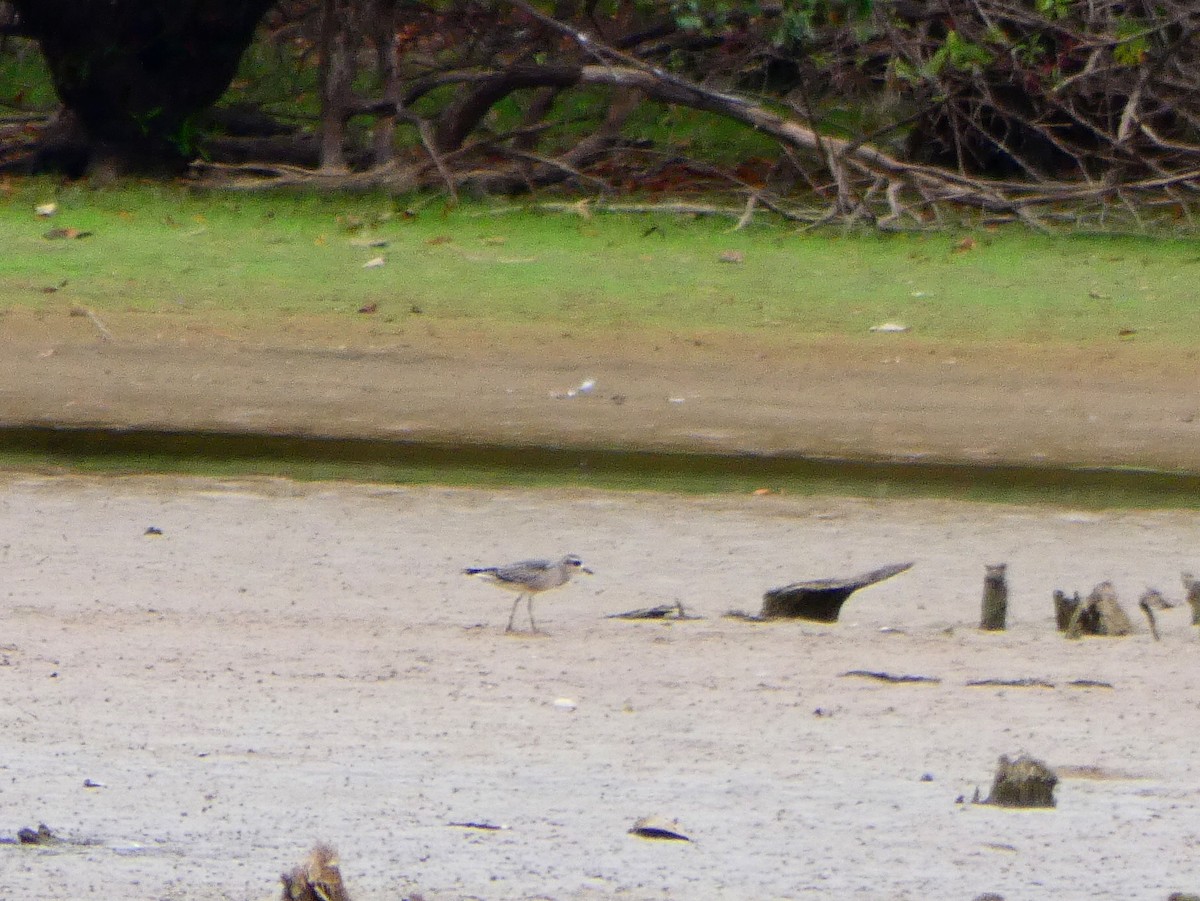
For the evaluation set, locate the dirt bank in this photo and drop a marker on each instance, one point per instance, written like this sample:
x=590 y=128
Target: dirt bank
x=890 y=397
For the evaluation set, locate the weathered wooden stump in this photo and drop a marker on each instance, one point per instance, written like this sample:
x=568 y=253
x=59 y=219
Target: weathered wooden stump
x=1100 y=613
x=821 y=599
x=1192 y=587
x=995 y=598
x=317 y=879
x=1111 y=616
x=1024 y=782
x=1064 y=609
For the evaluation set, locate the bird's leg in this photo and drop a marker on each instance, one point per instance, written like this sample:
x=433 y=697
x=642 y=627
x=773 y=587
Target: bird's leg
x=511 y=615
x=532 y=624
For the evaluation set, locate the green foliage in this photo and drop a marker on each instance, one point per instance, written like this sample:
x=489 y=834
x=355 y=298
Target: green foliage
x=1133 y=43
x=954 y=55
x=186 y=138
x=25 y=81
x=1031 y=51
x=279 y=77
x=797 y=20
x=994 y=34
x=689 y=14
x=702 y=135
x=800 y=19
x=958 y=54
x=1055 y=9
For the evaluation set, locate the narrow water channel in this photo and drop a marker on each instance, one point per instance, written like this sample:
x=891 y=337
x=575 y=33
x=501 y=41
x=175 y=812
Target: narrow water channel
x=399 y=462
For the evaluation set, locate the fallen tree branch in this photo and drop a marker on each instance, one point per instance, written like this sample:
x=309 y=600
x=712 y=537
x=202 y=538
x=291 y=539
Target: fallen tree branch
x=669 y=209
x=429 y=142
x=870 y=183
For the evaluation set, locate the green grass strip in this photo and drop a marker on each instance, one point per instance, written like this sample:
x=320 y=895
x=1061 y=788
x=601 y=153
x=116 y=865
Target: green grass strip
x=165 y=249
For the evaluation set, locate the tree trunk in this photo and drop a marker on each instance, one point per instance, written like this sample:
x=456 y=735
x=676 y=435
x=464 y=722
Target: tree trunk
x=387 y=55
x=135 y=72
x=337 y=74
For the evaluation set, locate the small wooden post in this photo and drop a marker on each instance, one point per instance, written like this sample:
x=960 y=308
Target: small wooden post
x=995 y=598
x=1064 y=609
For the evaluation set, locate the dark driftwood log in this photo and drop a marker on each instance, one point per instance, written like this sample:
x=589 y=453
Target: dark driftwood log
x=995 y=598
x=1023 y=782
x=821 y=599
x=317 y=879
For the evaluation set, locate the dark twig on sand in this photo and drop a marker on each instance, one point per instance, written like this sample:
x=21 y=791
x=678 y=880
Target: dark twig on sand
x=1010 y=683
x=890 y=677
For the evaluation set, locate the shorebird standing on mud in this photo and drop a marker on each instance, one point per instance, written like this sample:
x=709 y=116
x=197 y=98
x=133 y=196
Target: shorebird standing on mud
x=529 y=577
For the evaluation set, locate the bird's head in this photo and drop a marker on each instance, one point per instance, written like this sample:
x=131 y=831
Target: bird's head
x=575 y=563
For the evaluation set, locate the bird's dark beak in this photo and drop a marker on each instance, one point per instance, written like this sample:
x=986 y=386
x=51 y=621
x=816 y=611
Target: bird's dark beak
x=586 y=570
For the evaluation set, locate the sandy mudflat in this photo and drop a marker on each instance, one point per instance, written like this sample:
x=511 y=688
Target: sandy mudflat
x=291 y=662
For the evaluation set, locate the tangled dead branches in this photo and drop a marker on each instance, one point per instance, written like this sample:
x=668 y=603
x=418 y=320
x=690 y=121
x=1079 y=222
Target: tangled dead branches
x=893 y=117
